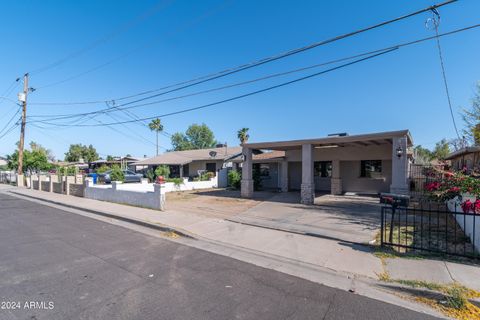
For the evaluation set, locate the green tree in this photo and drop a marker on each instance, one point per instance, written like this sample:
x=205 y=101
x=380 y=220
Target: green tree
x=471 y=118
x=80 y=151
x=243 y=135
x=38 y=147
x=109 y=158
x=157 y=126
x=33 y=160
x=422 y=155
x=196 y=137
x=441 y=150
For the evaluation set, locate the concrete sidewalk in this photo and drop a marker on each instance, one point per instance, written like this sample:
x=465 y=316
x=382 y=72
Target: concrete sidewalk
x=343 y=257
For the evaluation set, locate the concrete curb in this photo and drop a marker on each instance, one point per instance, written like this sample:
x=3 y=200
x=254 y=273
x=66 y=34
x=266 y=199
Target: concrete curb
x=158 y=227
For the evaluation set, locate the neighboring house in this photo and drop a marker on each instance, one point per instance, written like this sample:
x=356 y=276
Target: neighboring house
x=191 y=163
x=123 y=162
x=465 y=158
x=3 y=161
x=367 y=164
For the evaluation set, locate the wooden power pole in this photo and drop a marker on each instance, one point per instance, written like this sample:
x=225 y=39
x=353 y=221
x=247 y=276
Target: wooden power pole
x=23 y=99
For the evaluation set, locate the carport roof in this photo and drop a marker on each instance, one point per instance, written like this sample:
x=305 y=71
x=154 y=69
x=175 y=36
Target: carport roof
x=358 y=140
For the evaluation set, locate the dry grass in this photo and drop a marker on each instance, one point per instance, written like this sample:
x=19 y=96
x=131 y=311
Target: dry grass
x=454 y=301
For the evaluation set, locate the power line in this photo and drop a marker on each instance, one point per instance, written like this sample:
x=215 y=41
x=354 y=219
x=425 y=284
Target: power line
x=436 y=22
x=128 y=25
x=124 y=107
x=11 y=119
x=236 y=97
x=223 y=73
x=145 y=45
x=14 y=126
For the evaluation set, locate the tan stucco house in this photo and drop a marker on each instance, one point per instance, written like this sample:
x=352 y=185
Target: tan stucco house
x=191 y=163
x=465 y=158
x=366 y=163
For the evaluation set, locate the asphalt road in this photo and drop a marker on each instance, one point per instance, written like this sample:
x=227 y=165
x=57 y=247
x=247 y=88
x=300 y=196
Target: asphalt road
x=88 y=269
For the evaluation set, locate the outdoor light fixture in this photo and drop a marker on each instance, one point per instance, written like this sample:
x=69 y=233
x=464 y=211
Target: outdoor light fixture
x=399 y=151
x=327 y=146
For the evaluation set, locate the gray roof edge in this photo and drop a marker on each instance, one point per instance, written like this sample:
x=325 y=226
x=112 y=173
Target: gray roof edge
x=337 y=139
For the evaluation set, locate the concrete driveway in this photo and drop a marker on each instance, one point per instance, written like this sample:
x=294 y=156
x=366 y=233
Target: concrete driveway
x=344 y=218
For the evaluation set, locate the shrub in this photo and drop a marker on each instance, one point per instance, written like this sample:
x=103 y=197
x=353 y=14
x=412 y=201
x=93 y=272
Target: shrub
x=150 y=175
x=117 y=174
x=163 y=171
x=234 y=179
x=103 y=168
x=176 y=181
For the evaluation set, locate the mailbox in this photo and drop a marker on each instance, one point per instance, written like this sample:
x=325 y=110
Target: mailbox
x=395 y=200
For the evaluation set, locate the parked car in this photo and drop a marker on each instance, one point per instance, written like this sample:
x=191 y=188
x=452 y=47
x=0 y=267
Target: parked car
x=130 y=176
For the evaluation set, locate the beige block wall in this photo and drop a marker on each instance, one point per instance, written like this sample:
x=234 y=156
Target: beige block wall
x=352 y=182
x=350 y=158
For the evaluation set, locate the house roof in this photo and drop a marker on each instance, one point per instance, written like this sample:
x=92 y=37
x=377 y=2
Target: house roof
x=462 y=152
x=358 y=140
x=260 y=157
x=187 y=156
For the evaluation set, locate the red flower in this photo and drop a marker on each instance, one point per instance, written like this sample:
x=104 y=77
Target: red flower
x=454 y=189
x=476 y=206
x=467 y=206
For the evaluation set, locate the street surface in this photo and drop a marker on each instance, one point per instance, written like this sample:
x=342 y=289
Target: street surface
x=59 y=265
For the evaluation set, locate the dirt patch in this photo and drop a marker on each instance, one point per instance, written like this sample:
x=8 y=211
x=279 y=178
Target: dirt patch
x=219 y=203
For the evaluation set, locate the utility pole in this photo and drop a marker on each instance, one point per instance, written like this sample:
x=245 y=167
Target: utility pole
x=23 y=98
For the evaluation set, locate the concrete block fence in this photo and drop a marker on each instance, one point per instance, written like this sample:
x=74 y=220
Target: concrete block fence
x=139 y=198
x=68 y=185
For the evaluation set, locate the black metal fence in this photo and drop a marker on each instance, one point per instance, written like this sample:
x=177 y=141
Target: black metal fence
x=430 y=227
x=420 y=175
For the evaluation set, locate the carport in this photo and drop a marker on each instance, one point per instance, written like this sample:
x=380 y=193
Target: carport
x=367 y=163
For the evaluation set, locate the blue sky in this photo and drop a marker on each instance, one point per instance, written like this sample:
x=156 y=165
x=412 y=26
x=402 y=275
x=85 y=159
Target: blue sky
x=180 y=40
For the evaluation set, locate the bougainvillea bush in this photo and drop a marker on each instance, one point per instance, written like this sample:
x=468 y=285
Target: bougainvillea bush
x=453 y=184
x=456 y=184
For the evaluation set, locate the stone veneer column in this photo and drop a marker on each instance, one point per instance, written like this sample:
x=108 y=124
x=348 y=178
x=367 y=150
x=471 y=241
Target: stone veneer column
x=399 y=167
x=284 y=176
x=247 y=174
x=336 y=180
x=307 y=195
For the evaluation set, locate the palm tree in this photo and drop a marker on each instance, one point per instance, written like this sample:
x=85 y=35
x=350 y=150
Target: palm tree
x=243 y=135
x=157 y=126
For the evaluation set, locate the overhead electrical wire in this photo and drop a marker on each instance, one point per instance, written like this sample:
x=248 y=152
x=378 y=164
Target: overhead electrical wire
x=226 y=72
x=11 y=119
x=126 y=26
x=122 y=107
x=233 y=98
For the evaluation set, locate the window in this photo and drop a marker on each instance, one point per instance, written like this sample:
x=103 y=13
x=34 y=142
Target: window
x=264 y=170
x=211 y=167
x=323 y=169
x=371 y=168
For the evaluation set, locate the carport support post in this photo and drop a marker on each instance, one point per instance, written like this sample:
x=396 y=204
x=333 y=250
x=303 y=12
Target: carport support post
x=399 y=166
x=284 y=176
x=336 y=181
x=307 y=195
x=247 y=174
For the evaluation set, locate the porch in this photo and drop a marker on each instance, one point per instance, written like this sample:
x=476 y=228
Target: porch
x=364 y=164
